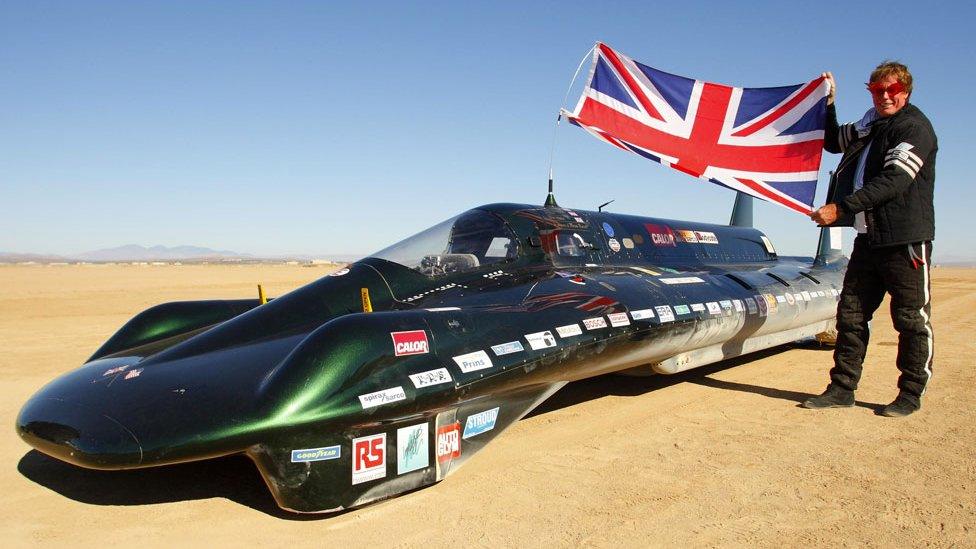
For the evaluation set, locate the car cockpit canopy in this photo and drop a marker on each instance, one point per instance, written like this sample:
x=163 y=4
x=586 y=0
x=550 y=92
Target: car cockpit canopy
x=466 y=242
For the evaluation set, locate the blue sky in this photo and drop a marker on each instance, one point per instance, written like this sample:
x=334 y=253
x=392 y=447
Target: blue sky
x=339 y=128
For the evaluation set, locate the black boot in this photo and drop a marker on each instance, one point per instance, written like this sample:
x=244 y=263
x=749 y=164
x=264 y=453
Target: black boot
x=902 y=406
x=833 y=397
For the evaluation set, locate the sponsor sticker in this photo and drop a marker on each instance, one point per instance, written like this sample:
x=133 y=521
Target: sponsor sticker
x=507 y=348
x=713 y=308
x=316 y=454
x=771 y=300
x=340 y=272
x=821 y=293
x=132 y=374
x=386 y=396
x=431 y=377
x=798 y=297
x=739 y=307
x=368 y=458
x=725 y=303
x=448 y=442
x=683 y=235
x=412 y=448
x=805 y=295
x=413 y=342
x=642 y=314
x=781 y=298
x=661 y=235
x=541 y=340
x=699 y=307
x=664 y=313
x=479 y=423
x=682 y=310
x=751 y=305
x=618 y=319
x=116 y=370
x=789 y=299
x=682 y=280
x=628 y=243
x=608 y=229
x=706 y=237
x=763 y=303
x=569 y=330
x=594 y=323
x=472 y=362
x=614 y=245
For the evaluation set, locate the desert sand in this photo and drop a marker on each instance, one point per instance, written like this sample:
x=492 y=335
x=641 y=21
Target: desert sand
x=719 y=456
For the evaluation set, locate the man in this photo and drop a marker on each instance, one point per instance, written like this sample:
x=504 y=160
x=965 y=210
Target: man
x=883 y=188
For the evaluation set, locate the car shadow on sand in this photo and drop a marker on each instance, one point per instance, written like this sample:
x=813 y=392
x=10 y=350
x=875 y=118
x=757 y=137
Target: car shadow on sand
x=237 y=479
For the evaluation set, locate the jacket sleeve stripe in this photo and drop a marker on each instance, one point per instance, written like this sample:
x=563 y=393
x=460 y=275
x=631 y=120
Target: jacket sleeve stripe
x=905 y=156
x=910 y=170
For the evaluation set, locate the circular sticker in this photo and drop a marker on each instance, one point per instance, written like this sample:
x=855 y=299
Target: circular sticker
x=614 y=245
x=608 y=229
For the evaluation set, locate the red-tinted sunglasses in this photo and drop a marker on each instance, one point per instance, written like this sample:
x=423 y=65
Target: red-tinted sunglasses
x=879 y=89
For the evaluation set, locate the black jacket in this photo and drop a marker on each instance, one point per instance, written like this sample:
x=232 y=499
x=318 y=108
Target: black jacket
x=899 y=176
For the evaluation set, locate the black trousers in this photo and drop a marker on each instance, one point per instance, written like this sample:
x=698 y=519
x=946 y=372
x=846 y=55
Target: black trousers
x=903 y=272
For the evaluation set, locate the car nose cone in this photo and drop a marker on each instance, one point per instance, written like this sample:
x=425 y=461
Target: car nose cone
x=77 y=434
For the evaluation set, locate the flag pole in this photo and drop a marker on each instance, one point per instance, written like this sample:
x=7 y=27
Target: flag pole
x=551 y=198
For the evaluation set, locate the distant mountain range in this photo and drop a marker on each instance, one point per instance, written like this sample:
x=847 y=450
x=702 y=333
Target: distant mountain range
x=135 y=252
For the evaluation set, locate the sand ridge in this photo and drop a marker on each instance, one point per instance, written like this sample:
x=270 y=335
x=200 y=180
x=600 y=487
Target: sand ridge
x=721 y=455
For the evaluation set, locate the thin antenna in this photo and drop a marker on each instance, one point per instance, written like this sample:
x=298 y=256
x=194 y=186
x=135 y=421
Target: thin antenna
x=551 y=198
x=600 y=208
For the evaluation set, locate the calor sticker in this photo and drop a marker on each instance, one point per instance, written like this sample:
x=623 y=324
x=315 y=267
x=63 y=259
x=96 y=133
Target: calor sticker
x=413 y=342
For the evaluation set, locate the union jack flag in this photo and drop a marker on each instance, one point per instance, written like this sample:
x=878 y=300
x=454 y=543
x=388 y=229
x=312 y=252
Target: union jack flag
x=765 y=142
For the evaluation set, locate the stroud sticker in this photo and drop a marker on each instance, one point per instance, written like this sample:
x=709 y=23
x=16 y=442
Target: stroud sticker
x=479 y=423
x=682 y=310
x=412 y=448
x=507 y=348
x=713 y=308
x=569 y=330
x=413 y=342
x=594 y=323
x=664 y=313
x=368 y=458
x=316 y=454
x=618 y=319
x=472 y=362
x=541 y=340
x=682 y=280
x=448 y=442
x=431 y=377
x=385 y=396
